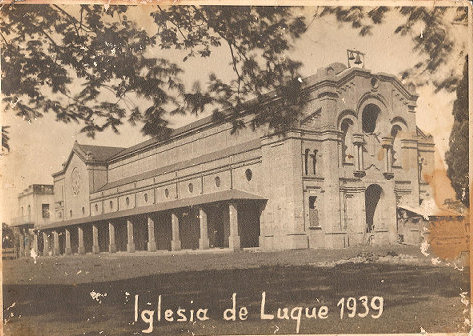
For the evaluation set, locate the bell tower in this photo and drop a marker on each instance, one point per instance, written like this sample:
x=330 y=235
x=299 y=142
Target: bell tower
x=355 y=58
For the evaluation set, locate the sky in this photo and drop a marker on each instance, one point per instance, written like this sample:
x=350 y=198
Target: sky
x=39 y=148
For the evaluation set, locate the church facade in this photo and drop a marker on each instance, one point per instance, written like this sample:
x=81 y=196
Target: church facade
x=333 y=181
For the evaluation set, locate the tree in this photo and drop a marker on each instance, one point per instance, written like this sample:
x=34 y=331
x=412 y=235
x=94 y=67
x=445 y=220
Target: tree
x=49 y=50
x=458 y=153
x=435 y=43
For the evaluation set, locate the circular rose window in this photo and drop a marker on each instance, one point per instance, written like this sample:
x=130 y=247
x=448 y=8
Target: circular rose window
x=374 y=82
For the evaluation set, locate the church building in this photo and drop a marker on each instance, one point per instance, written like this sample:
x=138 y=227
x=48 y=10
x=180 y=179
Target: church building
x=334 y=180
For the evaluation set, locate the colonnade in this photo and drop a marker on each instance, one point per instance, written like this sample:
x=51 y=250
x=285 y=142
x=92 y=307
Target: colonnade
x=151 y=245
x=24 y=241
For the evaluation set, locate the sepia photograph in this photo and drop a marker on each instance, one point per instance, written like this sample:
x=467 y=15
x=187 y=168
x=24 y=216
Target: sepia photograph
x=235 y=169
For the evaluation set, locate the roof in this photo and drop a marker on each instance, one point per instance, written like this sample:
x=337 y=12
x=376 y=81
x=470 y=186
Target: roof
x=226 y=195
x=422 y=134
x=176 y=132
x=21 y=223
x=100 y=153
x=430 y=210
x=416 y=210
x=90 y=154
x=247 y=146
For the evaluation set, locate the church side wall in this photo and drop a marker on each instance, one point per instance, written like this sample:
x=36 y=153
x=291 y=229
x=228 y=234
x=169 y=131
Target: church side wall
x=180 y=149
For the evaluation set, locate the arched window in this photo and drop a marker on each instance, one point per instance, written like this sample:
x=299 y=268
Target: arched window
x=96 y=207
x=83 y=210
x=111 y=205
x=314 y=162
x=370 y=117
x=146 y=197
x=217 y=181
x=191 y=187
x=166 y=193
x=347 y=141
x=306 y=161
x=70 y=213
x=127 y=201
x=395 y=132
x=29 y=210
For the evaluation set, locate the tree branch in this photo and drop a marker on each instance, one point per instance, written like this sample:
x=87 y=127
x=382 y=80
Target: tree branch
x=6 y=42
x=73 y=18
x=174 y=24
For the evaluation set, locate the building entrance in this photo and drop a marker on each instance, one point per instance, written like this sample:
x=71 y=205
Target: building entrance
x=373 y=195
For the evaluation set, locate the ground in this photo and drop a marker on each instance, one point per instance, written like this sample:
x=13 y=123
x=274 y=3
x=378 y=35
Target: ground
x=95 y=294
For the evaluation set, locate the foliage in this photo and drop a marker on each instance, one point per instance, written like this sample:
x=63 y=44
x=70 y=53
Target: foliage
x=5 y=138
x=435 y=43
x=458 y=153
x=51 y=51
x=94 y=65
x=8 y=237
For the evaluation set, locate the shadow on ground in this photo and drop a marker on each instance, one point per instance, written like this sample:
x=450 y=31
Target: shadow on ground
x=414 y=297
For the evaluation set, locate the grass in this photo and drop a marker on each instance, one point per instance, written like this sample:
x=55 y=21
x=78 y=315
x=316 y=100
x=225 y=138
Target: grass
x=53 y=296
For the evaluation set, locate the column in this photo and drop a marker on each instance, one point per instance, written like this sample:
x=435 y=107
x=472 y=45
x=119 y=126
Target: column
x=234 y=238
x=386 y=161
x=35 y=243
x=387 y=143
x=360 y=157
x=356 y=159
x=45 y=244
x=130 y=246
x=68 y=250
x=204 y=234
x=56 y=243
x=151 y=239
x=175 y=242
x=112 y=247
x=80 y=234
x=95 y=239
x=21 y=238
x=359 y=165
x=27 y=243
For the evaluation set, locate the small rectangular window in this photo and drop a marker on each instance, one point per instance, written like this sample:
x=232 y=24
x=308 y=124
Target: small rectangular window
x=313 y=212
x=45 y=210
x=312 y=202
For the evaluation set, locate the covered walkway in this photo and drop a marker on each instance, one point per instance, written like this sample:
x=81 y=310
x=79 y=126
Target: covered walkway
x=225 y=220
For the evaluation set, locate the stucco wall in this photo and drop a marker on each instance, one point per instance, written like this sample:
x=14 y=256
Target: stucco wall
x=78 y=201
x=182 y=149
x=274 y=167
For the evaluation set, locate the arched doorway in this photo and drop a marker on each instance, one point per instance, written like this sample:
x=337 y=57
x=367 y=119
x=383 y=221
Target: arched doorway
x=373 y=195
